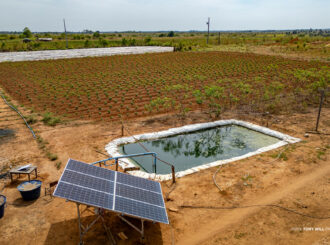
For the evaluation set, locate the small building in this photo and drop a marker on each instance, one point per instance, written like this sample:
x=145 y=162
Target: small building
x=45 y=39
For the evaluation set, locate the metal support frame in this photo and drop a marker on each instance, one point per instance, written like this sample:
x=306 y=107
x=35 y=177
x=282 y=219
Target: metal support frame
x=154 y=154
x=135 y=155
x=133 y=226
x=83 y=230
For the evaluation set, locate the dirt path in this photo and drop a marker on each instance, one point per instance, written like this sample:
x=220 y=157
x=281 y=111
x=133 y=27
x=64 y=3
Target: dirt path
x=237 y=215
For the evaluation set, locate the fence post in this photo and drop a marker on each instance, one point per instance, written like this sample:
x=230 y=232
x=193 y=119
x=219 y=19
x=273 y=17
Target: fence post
x=322 y=91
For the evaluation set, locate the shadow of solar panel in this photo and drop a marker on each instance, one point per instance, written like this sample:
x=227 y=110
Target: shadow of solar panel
x=88 y=181
x=139 y=194
x=84 y=195
x=142 y=210
x=91 y=170
x=138 y=182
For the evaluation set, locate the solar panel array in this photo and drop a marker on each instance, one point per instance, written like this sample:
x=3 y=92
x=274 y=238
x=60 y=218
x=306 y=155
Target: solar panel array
x=111 y=190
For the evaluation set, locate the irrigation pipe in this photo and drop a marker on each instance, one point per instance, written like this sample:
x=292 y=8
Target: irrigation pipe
x=12 y=107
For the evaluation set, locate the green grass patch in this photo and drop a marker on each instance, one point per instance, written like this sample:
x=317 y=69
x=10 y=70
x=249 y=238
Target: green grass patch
x=49 y=119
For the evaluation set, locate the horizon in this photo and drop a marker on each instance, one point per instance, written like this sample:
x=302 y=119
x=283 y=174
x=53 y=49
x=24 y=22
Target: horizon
x=177 y=31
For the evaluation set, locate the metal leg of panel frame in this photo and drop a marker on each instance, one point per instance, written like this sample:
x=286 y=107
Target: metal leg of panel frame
x=79 y=223
x=142 y=229
x=133 y=226
x=109 y=234
x=83 y=230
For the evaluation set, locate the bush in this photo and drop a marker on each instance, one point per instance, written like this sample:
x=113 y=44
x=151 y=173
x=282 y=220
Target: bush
x=51 y=156
x=170 y=34
x=96 y=34
x=31 y=119
x=58 y=165
x=50 y=120
x=27 y=33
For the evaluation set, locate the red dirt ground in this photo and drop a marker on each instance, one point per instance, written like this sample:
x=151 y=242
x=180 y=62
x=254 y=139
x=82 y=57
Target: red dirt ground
x=300 y=183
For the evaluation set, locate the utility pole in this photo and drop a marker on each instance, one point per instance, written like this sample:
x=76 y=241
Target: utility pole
x=66 y=37
x=208 y=30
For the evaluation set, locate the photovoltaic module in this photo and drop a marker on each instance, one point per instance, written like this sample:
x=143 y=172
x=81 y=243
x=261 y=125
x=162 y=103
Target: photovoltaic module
x=118 y=192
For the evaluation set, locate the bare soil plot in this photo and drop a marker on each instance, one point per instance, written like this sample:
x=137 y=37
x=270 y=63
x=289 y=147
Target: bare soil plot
x=300 y=183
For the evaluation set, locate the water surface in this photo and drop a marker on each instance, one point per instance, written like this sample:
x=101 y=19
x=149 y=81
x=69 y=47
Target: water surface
x=189 y=150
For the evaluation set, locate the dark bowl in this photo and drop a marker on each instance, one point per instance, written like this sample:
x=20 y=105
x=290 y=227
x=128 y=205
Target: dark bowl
x=30 y=193
x=2 y=206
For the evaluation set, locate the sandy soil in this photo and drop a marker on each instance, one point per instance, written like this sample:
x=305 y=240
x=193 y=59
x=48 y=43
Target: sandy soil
x=301 y=182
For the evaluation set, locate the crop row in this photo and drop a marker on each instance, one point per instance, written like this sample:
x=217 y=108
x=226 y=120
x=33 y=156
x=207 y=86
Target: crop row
x=110 y=88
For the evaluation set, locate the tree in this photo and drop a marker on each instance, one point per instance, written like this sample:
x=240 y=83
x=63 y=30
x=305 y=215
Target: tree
x=170 y=34
x=96 y=34
x=27 y=33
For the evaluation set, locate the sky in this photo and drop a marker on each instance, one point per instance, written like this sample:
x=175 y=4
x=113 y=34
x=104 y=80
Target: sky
x=163 y=15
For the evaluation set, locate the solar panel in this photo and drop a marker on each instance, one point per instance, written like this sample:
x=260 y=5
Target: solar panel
x=130 y=195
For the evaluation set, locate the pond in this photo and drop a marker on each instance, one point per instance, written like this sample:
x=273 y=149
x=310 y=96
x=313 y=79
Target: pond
x=196 y=148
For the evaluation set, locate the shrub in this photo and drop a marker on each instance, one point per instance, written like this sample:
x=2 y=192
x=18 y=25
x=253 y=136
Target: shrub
x=27 y=33
x=170 y=34
x=31 y=119
x=51 y=156
x=96 y=34
x=50 y=120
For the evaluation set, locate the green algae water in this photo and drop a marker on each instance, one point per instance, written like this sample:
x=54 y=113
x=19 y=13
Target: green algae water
x=196 y=148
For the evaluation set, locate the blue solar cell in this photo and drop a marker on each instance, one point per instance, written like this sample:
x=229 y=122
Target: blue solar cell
x=139 y=194
x=88 y=181
x=139 y=209
x=138 y=182
x=94 y=186
x=84 y=195
x=91 y=170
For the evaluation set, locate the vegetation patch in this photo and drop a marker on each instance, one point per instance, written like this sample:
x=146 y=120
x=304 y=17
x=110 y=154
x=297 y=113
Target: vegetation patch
x=122 y=87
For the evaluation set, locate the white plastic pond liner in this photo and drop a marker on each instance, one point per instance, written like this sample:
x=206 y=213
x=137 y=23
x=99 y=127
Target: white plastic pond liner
x=113 y=147
x=79 y=53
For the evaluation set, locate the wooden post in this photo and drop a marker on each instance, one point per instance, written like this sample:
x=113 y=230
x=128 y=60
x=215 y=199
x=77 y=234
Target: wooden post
x=173 y=174
x=122 y=129
x=116 y=164
x=322 y=91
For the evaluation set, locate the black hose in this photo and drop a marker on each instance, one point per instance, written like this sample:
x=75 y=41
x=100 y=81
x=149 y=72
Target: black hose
x=12 y=107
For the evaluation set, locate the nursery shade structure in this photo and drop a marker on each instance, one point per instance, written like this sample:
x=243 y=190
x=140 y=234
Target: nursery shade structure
x=114 y=191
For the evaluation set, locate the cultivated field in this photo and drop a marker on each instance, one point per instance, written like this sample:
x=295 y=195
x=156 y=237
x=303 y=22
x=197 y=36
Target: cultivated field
x=77 y=106
x=123 y=87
